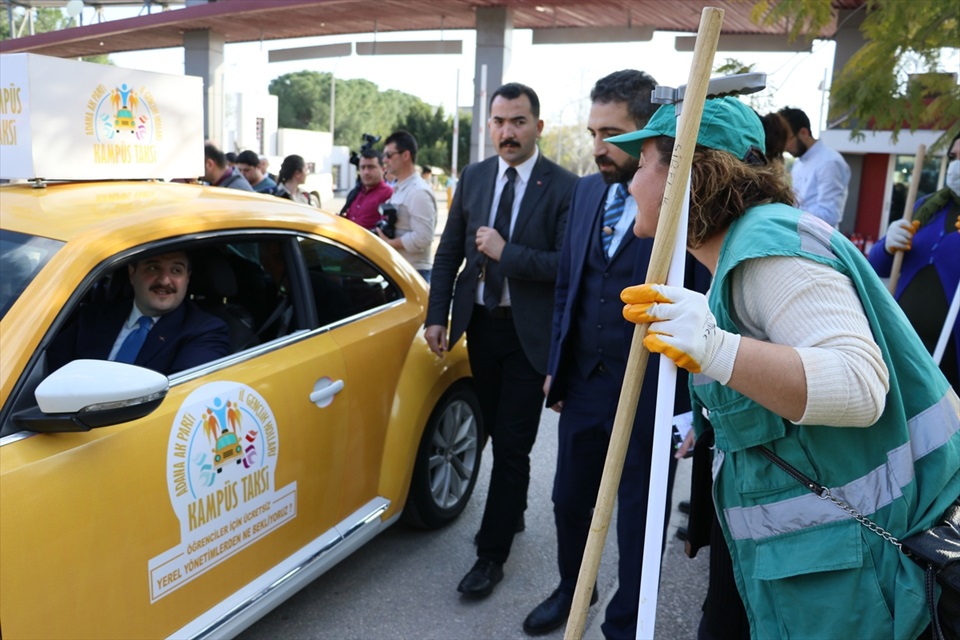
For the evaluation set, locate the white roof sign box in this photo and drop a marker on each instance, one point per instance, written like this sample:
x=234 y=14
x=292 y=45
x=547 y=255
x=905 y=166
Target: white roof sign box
x=68 y=120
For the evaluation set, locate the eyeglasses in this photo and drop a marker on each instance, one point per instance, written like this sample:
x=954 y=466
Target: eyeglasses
x=389 y=154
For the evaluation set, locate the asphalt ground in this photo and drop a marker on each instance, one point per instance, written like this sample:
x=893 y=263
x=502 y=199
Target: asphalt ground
x=403 y=583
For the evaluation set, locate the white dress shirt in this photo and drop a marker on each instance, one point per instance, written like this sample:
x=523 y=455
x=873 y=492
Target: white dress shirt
x=519 y=188
x=820 y=180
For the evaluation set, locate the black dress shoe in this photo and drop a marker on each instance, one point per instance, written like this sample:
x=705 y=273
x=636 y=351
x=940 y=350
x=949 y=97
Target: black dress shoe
x=481 y=579
x=684 y=507
x=521 y=526
x=682 y=533
x=552 y=613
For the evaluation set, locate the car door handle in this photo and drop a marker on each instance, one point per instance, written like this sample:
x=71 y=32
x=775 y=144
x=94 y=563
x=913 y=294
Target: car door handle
x=324 y=391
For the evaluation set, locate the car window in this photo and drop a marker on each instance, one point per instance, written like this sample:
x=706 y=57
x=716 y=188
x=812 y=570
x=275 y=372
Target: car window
x=343 y=283
x=235 y=282
x=270 y=295
x=22 y=257
x=243 y=284
x=229 y=280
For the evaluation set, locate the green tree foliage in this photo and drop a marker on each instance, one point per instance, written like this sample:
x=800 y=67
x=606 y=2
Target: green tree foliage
x=301 y=97
x=360 y=107
x=761 y=102
x=433 y=132
x=45 y=19
x=897 y=78
x=570 y=146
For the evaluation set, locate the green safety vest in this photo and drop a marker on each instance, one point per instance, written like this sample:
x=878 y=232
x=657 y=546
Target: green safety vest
x=804 y=568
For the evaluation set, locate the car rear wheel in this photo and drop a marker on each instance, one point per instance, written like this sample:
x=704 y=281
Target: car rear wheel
x=448 y=461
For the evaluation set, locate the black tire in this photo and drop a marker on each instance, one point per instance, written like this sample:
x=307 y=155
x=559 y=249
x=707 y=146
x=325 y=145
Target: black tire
x=448 y=460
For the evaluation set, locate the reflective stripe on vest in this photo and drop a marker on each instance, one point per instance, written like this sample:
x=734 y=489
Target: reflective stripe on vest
x=929 y=430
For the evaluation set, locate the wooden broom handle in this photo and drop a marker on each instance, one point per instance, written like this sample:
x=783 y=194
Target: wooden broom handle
x=908 y=213
x=711 y=20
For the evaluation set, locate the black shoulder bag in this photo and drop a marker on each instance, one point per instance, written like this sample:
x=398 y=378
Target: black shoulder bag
x=936 y=550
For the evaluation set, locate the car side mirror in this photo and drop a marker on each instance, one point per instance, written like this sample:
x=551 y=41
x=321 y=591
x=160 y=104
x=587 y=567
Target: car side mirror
x=86 y=394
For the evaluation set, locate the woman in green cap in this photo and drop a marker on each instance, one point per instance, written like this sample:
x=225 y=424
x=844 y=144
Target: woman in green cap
x=798 y=348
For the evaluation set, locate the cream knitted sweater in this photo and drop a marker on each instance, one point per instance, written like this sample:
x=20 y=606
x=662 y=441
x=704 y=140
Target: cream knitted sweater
x=814 y=308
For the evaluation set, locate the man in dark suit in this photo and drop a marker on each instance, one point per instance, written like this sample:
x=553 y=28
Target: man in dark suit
x=507 y=221
x=160 y=330
x=589 y=349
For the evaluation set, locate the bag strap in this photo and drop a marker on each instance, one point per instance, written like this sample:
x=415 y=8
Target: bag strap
x=824 y=493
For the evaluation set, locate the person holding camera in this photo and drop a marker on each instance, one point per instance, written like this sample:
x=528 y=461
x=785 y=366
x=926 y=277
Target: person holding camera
x=365 y=207
x=416 y=207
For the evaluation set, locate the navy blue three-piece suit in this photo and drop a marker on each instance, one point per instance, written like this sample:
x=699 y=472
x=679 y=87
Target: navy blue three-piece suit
x=590 y=345
x=184 y=338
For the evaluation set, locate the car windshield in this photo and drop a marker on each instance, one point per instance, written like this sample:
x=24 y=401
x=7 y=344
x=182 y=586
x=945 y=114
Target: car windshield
x=22 y=257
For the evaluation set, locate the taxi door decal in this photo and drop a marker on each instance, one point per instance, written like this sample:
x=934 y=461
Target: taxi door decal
x=221 y=463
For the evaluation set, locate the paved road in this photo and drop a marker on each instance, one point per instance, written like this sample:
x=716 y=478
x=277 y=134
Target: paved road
x=403 y=583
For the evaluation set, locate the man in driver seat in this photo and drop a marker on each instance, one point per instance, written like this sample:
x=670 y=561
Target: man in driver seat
x=161 y=330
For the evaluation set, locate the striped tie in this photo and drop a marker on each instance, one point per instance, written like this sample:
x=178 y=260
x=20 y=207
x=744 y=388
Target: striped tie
x=612 y=216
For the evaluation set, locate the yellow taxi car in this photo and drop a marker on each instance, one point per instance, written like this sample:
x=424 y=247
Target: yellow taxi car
x=116 y=521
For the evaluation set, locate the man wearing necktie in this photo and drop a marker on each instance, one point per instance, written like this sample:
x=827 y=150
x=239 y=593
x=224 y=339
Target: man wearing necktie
x=160 y=330
x=506 y=222
x=589 y=347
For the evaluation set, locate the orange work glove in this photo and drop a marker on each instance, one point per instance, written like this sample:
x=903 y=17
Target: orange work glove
x=682 y=328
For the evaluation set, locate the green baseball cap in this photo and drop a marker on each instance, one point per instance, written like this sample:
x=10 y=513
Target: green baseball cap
x=727 y=125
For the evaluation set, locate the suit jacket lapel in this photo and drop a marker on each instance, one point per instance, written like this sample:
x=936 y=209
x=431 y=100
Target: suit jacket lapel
x=477 y=212
x=539 y=182
x=163 y=335
x=482 y=214
x=593 y=198
x=104 y=335
x=628 y=237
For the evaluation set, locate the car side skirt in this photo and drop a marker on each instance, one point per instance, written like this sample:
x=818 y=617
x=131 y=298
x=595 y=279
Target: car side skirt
x=249 y=604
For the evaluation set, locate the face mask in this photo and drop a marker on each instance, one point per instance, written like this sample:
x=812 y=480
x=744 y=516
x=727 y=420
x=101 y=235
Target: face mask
x=953 y=176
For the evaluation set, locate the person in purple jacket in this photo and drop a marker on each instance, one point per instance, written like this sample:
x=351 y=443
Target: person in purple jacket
x=931 y=264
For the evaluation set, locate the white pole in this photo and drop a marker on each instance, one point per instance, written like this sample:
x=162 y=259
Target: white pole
x=481 y=152
x=456 y=128
x=333 y=100
x=660 y=454
x=947 y=327
x=823 y=98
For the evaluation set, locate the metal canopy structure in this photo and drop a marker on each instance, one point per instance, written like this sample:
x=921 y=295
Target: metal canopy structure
x=262 y=20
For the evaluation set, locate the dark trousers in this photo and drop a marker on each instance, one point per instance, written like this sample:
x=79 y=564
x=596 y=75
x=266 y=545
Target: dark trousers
x=510 y=391
x=724 y=617
x=586 y=423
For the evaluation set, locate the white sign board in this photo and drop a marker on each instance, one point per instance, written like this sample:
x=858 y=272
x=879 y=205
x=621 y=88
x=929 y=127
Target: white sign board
x=68 y=120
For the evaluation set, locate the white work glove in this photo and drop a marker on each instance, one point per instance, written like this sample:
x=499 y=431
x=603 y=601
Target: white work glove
x=682 y=328
x=900 y=235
